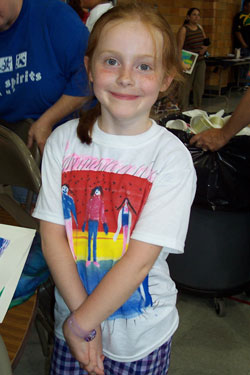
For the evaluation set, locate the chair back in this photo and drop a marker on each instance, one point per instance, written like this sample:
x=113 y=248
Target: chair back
x=17 y=164
x=18 y=167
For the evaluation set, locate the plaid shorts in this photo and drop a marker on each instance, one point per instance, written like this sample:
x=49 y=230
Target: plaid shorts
x=156 y=363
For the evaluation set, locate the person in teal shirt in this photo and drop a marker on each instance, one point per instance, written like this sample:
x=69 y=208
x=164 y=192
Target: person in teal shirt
x=42 y=76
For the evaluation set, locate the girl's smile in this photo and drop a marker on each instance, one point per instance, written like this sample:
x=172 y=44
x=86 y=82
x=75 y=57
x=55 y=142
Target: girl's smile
x=124 y=96
x=127 y=75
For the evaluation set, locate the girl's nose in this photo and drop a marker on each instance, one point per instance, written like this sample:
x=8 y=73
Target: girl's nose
x=125 y=77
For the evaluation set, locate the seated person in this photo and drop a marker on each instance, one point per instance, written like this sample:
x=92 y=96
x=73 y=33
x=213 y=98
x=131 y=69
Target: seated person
x=241 y=33
x=82 y=12
x=42 y=46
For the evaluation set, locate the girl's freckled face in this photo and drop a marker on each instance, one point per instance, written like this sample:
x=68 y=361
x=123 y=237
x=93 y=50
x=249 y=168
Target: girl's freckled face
x=127 y=70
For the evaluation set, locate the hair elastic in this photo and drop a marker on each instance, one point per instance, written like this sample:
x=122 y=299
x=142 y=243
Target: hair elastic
x=78 y=331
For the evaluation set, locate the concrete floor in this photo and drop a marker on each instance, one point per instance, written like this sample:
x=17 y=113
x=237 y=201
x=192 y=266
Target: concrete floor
x=205 y=343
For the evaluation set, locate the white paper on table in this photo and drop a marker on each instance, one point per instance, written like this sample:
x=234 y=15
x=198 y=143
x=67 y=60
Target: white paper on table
x=15 y=243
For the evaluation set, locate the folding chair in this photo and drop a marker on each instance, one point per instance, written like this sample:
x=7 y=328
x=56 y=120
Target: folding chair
x=5 y=367
x=20 y=167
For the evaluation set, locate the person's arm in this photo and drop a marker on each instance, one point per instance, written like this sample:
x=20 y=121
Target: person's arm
x=67 y=280
x=204 y=48
x=181 y=35
x=41 y=128
x=115 y=288
x=237 y=27
x=61 y=264
x=203 y=31
x=241 y=39
x=69 y=54
x=214 y=139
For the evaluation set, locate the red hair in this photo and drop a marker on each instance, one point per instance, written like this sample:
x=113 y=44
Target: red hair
x=152 y=19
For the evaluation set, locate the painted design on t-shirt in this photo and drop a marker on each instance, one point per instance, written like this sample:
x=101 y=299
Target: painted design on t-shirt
x=69 y=209
x=124 y=221
x=17 y=65
x=108 y=204
x=21 y=60
x=94 y=214
x=6 y=64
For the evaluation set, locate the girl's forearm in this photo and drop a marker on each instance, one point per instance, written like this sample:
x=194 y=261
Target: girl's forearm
x=62 y=265
x=118 y=284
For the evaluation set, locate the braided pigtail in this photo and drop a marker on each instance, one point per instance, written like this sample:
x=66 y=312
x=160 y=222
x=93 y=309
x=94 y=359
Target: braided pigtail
x=86 y=123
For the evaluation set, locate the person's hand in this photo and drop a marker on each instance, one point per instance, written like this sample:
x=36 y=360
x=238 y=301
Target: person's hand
x=38 y=132
x=185 y=66
x=211 y=139
x=96 y=357
x=203 y=50
x=88 y=354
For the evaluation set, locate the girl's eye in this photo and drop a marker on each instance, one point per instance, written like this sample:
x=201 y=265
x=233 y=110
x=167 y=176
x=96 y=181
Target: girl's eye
x=144 y=67
x=112 y=62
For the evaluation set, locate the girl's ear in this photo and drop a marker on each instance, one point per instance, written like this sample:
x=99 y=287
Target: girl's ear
x=87 y=67
x=166 y=83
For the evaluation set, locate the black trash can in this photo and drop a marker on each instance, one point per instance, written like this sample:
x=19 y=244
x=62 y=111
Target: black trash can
x=216 y=259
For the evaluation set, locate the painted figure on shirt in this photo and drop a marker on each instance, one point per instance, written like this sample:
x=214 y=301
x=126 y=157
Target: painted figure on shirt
x=94 y=214
x=124 y=221
x=68 y=209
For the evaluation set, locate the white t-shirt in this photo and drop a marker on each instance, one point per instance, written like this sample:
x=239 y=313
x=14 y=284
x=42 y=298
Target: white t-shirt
x=140 y=186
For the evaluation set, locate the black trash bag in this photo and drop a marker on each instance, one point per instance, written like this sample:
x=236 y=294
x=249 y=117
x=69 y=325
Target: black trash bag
x=223 y=176
x=175 y=116
x=183 y=136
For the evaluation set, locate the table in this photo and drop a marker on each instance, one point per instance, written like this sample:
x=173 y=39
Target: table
x=224 y=62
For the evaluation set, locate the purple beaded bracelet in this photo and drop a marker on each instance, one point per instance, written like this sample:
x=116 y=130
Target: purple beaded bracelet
x=78 y=331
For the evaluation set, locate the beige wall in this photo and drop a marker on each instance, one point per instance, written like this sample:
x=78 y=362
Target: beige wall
x=216 y=19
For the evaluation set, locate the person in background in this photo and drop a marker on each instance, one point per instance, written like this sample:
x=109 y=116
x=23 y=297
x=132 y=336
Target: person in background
x=241 y=33
x=214 y=139
x=42 y=47
x=79 y=8
x=96 y=8
x=191 y=38
x=121 y=306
